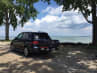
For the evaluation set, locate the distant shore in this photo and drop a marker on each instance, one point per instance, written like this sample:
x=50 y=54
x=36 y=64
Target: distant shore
x=73 y=39
x=62 y=43
x=71 y=43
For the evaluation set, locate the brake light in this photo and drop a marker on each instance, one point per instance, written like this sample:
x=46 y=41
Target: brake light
x=35 y=42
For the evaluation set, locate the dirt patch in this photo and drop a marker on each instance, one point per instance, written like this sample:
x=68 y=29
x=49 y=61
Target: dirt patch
x=69 y=59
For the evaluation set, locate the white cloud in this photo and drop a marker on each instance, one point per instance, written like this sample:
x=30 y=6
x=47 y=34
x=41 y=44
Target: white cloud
x=29 y=23
x=37 y=22
x=49 y=18
x=53 y=11
x=56 y=22
x=88 y=28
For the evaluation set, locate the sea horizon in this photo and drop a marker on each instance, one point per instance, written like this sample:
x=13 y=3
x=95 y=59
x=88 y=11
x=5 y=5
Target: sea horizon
x=73 y=39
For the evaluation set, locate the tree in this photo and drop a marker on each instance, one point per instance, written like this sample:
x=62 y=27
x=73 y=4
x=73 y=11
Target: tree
x=86 y=7
x=11 y=9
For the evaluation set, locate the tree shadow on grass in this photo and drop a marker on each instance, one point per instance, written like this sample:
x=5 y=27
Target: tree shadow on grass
x=35 y=55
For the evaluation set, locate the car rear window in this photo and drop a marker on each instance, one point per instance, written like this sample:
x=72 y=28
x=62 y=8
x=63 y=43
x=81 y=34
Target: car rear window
x=41 y=36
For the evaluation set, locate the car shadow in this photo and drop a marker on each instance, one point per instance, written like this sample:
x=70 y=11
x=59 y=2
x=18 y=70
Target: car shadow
x=35 y=55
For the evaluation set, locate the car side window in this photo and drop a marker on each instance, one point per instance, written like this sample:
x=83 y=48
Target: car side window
x=30 y=36
x=25 y=36
x=20 y=36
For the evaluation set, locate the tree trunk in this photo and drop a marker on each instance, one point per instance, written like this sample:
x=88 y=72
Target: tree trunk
x=95 y=33
x=7 y=31
x=94 y=22
x=7 y=27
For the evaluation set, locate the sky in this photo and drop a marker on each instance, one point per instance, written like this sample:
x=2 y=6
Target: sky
x=52 y=20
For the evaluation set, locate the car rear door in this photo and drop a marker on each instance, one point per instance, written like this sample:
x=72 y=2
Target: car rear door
x=44 y=39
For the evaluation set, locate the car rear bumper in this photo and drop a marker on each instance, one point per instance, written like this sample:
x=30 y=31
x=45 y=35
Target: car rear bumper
x=40 y=49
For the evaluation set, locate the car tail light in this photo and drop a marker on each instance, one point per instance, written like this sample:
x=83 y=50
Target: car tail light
x=35 y=42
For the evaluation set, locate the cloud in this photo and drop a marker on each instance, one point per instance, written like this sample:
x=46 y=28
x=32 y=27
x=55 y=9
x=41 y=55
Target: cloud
x=49 y=18
x=54 y=11
x=88 y=28
x=62 y=23
x=56 y=22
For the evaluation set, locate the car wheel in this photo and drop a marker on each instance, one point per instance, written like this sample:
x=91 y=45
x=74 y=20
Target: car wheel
x=26 y=52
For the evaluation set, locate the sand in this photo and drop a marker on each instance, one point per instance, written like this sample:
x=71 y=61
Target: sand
x=69 y=59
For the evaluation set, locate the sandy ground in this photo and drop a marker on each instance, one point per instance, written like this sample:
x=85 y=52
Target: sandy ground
x=69 y=59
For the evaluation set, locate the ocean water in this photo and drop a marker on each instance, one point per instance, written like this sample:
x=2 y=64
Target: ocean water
x=73 y=39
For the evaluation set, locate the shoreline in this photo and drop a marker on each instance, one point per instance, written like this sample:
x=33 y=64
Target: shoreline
x=61 y=43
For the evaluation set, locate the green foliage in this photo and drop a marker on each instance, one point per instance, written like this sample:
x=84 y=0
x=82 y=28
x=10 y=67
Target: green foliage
x=81 y=5
x=17 y=8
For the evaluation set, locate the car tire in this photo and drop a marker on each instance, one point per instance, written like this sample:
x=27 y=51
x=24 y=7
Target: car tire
x=26 y=52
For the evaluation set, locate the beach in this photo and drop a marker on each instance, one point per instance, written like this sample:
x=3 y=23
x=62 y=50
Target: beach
x=68 y=59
